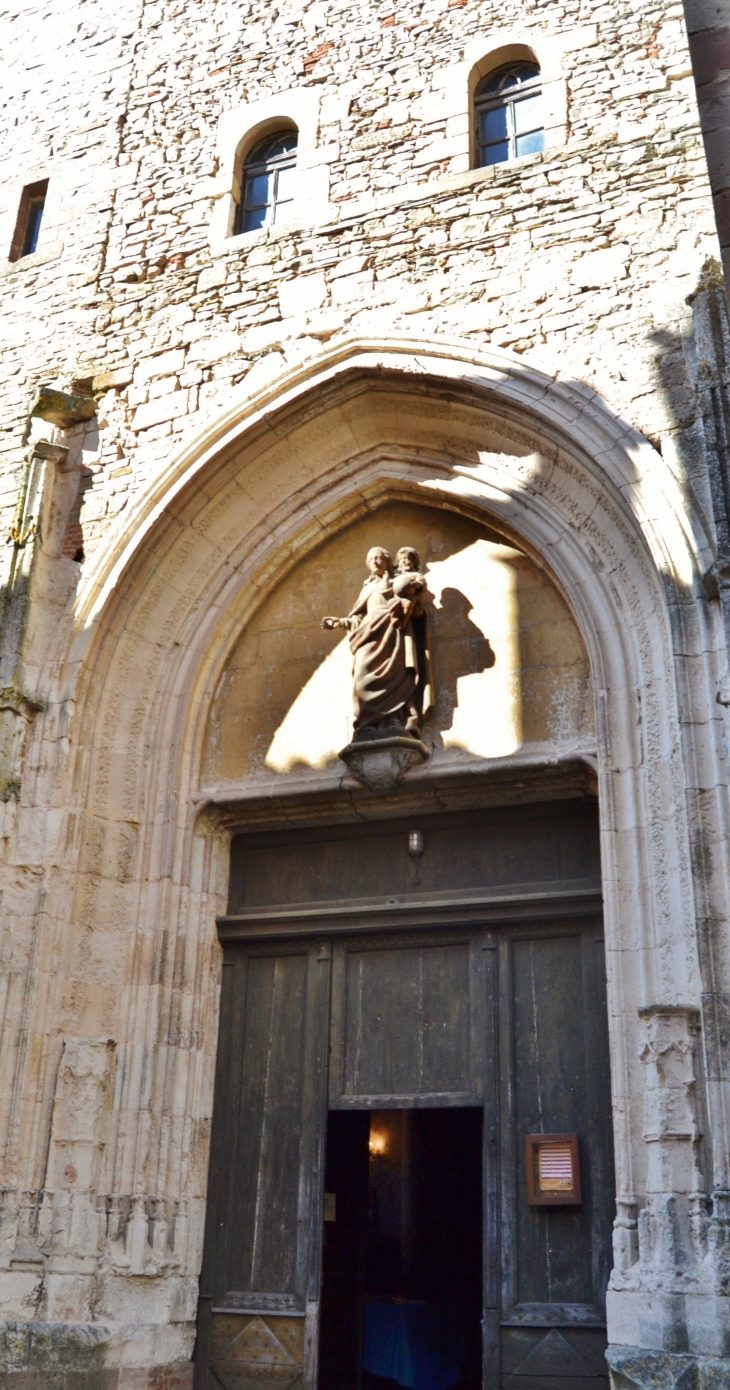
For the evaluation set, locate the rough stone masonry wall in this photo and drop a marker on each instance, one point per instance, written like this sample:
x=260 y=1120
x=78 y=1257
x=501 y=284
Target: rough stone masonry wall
x=580 y=260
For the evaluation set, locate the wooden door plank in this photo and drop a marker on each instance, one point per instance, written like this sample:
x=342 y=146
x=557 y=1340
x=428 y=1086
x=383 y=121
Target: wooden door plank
x=449 y=1001
x=273 y=1260
x=516 y=903
x=401 y=1023
x=216 y=1248
x=490 y=1159
x=508 y=1232
x=599 y=1176
x=337 y=1023
x=312 y=1148
x=550 y=1097
x=226 y=1103
x=486 y=1057
x=383 y=1022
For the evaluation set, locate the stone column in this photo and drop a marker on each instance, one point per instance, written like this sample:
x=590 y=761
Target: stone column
x=708 y=28
x=671 y=1302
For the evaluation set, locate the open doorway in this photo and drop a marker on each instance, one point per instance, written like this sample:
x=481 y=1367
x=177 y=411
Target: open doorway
x=402 y=1253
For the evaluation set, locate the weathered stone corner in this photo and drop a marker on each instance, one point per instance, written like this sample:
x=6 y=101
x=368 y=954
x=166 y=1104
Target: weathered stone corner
x=632 y=1369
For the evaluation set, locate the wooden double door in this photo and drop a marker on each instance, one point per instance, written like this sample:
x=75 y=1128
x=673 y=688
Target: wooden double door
x=486 y=995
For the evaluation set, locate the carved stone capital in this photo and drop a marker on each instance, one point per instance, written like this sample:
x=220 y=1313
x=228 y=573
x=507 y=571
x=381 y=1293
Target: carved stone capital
x=381 y=763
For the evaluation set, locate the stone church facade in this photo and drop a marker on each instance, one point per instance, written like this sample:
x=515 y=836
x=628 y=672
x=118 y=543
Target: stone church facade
x=215 y=402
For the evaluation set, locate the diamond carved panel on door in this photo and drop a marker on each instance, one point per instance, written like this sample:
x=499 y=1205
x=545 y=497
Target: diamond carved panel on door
x=250 y=1351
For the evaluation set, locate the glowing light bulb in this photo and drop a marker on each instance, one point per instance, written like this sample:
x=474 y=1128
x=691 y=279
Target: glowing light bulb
x=377 y=1144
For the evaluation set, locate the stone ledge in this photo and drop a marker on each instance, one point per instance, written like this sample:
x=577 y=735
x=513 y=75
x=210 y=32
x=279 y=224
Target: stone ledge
x=634 y=1369
x=39 y=1347
x=72 y=1356
x=175 y=1376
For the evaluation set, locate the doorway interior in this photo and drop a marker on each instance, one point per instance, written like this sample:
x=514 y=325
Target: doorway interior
x=477 y=992
x=402 y=1250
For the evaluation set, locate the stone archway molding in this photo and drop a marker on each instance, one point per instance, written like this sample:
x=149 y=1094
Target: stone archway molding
x=144 y=646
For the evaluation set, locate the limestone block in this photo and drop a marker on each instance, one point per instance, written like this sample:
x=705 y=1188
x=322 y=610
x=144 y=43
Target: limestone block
x=165 y=408
x=352 y=288
x=302 y=294
x=162 y=364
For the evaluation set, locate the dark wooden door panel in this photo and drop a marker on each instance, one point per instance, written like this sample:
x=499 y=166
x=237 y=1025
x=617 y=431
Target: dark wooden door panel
x=265 y=1194
x=407 y=1023
x=260 y=1281
x=565 y=1358
x=429 y=1012
x=545 y=842
x=555 y=1081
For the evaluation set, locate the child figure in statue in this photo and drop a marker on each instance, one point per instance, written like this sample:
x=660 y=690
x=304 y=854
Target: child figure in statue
x=389 y=640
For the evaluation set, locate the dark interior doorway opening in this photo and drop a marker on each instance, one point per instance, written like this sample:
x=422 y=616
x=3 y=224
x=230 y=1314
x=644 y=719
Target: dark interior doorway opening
x=402 y=1251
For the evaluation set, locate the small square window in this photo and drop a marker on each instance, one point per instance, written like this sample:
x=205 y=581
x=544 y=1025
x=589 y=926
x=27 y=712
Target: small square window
x=30 y=216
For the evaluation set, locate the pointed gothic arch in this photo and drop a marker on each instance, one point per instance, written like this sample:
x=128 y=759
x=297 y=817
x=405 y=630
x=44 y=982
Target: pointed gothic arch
x=160 y=608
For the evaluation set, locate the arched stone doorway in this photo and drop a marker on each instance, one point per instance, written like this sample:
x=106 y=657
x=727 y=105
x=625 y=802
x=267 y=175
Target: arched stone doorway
x=551 y=473
x=453 y=996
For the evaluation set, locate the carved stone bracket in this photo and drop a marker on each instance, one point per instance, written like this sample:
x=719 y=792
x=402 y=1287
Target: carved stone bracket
x=381 y=763
x=62 y=408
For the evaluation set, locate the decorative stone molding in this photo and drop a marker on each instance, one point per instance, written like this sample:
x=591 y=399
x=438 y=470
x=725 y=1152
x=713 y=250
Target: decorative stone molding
x=41 y=1230
x=81 y=1113
x=668 y=1054
x=671 y=1225
x=64 y=1220
x=626 y=1234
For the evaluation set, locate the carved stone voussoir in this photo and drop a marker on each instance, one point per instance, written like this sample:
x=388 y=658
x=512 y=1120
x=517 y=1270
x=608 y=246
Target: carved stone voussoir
x=381 y=763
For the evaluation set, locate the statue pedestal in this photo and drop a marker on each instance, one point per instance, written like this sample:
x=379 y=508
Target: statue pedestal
x=380 y=763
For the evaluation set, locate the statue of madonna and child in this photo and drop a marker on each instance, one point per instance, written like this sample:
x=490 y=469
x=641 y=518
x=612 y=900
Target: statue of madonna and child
x=391 y=650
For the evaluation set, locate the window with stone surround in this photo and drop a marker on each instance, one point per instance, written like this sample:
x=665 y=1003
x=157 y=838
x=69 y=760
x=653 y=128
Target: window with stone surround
x=508 y=109
x=267 y=187
x=28 y=224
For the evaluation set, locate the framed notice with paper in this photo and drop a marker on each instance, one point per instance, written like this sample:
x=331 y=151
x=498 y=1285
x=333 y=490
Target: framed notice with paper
x=552 y=1169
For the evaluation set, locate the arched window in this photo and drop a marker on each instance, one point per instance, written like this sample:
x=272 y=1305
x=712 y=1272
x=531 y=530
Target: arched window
x=267 y=195
x=509 y=118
